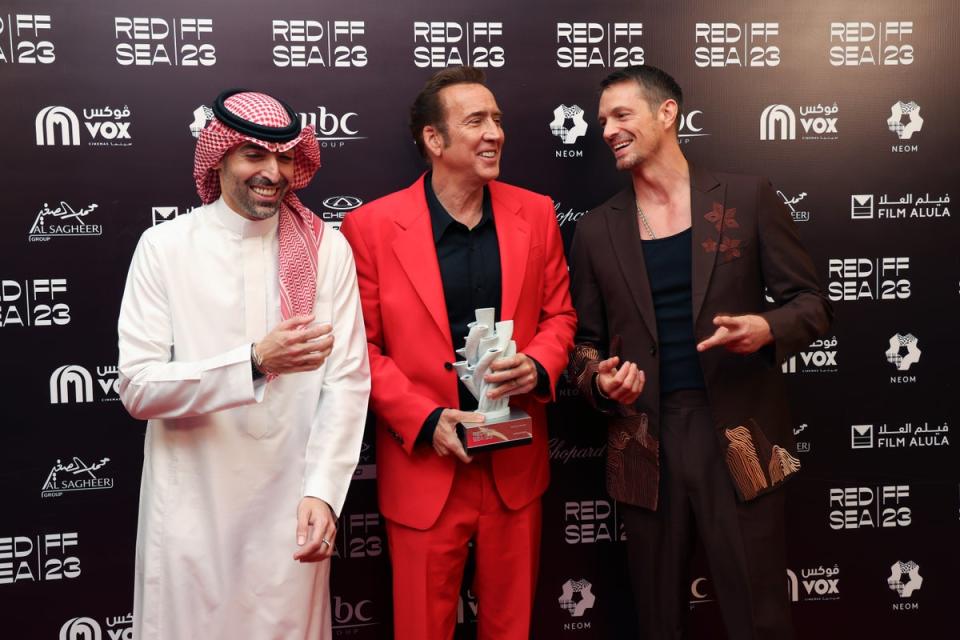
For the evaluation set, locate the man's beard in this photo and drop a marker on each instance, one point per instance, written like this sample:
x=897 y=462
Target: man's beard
x=261 y=211
x=629 y=162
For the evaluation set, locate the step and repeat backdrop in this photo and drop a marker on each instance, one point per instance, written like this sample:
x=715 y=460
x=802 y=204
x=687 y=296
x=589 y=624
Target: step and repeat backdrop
x=849 y=108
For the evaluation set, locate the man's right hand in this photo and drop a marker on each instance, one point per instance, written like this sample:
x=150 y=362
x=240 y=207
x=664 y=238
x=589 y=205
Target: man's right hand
x=621 y=385
x=295 y=346
x=445 y=440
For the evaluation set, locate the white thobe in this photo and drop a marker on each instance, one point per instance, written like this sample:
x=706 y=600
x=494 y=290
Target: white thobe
x=227 y=459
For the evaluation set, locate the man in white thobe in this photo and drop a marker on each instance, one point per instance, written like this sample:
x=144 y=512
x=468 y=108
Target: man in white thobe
x=242 y=342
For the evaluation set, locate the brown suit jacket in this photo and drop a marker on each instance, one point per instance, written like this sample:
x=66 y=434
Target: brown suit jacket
x=743 y=241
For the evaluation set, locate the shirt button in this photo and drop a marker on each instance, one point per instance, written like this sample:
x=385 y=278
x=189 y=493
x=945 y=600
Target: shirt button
x=653 y=350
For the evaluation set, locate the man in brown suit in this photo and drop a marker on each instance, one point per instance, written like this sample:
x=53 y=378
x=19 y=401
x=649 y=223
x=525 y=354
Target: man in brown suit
x=677 y=347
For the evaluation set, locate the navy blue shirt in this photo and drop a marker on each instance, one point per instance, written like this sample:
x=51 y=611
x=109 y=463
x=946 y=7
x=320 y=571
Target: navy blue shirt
x=668 y=261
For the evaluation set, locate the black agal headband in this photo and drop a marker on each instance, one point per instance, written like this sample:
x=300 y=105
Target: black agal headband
x=253 y=129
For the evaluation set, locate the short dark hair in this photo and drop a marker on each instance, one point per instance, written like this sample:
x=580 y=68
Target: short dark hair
x=427 y=110
x=657 y=85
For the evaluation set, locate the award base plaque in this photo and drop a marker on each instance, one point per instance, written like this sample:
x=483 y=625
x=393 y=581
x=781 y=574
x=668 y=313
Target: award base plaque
x=511 y=430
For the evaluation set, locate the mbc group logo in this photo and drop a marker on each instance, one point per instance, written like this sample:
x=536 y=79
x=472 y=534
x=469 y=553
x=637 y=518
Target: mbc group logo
x=332 y=130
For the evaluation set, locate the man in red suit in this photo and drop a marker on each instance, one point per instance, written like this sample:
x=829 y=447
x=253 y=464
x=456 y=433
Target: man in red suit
x=427 y=257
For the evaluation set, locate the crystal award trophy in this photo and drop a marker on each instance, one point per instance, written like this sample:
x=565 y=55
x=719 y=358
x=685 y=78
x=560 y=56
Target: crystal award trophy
x=505 y=426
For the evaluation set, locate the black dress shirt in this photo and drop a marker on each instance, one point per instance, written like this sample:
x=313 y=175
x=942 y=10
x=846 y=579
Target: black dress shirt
x=469 y=262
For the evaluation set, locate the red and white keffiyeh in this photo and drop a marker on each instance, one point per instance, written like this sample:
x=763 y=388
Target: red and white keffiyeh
x=299 y=231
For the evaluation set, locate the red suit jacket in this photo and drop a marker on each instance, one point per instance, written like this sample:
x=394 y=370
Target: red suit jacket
x=410 y=346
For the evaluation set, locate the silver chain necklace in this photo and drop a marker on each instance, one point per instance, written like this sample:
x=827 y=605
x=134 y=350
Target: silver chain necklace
x=645 y=222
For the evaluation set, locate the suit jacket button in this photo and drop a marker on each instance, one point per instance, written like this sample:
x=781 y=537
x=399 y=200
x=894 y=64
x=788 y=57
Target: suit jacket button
x=448 y=366
x=653 y=350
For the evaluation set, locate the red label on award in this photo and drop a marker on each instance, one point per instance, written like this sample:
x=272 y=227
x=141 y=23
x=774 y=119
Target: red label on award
x=511 y=430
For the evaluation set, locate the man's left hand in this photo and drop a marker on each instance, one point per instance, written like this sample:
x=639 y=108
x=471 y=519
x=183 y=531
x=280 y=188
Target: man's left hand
x=516 y=374
x=739 y=334
x=316 y=530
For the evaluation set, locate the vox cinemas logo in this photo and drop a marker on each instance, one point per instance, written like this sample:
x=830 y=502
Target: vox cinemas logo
x=63 y=220
x=34 y=303
x=332 y=130
x=75 y=475
x=170 y=42
x=73 y=384
x=39 y=558
x=779 y=122
x=857 y=44
x=819 y=357
x=854 y=279
x=866 y=206
x=906 y=436
x=798 y=212
x=883 y=506
x=904 y=121
x=318 y=43
x=102 y=127
x=728 y=44
x=585 y=45
x=814 y=584
x=591 y=521
x=86 y=628
x=25 y=39
x=449 y=44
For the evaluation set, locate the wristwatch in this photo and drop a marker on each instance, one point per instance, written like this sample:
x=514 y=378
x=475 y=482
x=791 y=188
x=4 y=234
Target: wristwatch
x=256 y=362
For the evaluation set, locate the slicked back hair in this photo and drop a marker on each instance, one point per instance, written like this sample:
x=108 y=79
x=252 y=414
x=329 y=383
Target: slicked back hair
x=427 y=110
x=657 y=85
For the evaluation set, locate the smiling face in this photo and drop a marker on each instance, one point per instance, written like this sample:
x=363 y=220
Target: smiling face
x=632 y=130
x=254 y=181
x=471 y=144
